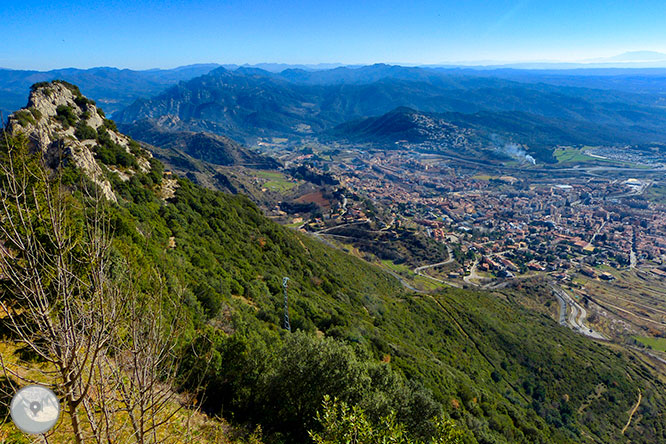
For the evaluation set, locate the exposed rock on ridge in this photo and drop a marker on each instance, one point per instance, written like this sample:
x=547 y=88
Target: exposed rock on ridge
x=63 y=124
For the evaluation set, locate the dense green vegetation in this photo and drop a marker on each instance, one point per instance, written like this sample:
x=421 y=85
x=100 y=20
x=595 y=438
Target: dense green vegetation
x=84 y=132
x=66 y=116
x=110 y=153
x=502 y=373
x=24 y=117
x=343 y=424
x=399 y=245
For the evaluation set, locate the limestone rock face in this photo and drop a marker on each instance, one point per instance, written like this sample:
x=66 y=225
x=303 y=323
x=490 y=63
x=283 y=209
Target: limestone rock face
x=50 y=121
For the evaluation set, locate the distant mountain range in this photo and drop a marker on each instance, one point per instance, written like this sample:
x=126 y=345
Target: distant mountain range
x=112 y=88
x=632 y=57
x=249 y=103
x=538 y=108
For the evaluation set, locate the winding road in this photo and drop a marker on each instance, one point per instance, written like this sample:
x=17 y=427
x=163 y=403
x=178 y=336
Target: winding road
x=419 y=270
x=577 y=315
x=473 y=275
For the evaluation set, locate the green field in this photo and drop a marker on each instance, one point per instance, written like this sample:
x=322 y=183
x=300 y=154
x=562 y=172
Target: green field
x=398 y=268
x=656 y=194
x=658 y=344
x=577 y=156
x=572 y=155
x=276 y=181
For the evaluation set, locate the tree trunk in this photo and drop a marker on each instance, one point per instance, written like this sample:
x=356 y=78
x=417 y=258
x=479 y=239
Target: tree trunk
x=76 y=426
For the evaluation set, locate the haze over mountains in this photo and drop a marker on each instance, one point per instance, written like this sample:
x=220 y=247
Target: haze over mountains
x=537 y=108
x=113 y=88
x=116 y=88
x=249 y=103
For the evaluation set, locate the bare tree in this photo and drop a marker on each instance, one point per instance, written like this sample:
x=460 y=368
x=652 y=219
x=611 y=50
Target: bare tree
x=110 y=351
x=147 y=363
x=55 y=294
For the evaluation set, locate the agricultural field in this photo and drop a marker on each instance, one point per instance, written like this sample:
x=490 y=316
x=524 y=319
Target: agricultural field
x=276 y=181
x=658 y=344
x=656 y=194
x=572 y=155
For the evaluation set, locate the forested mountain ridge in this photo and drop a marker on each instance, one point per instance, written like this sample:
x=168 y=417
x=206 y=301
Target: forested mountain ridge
x=503 y=373
x=247 y=104
x=211 y=148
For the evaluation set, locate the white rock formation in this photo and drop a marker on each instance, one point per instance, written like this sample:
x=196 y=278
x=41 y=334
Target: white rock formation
x=55 y=140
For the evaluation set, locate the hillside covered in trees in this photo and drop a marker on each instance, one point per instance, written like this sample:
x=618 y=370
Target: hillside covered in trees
x=188 y=282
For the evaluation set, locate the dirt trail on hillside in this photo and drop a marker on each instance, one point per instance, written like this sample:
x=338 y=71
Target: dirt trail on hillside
x=631 y=414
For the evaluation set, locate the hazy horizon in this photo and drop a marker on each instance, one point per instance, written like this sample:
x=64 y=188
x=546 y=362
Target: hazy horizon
x=150 y=34
x=629 y=59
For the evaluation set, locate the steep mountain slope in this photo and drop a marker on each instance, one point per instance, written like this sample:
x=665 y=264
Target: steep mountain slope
x=502 y=372
x=239 y=104
x=407 y=125
x=460 y=133
x=250 y=103
x=211 y=148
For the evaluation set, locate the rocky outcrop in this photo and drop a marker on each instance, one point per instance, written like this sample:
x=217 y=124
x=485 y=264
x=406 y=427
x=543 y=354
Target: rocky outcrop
x=65 y=126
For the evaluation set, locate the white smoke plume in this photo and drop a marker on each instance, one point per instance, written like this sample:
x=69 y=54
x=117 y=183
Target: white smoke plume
x=512 y=149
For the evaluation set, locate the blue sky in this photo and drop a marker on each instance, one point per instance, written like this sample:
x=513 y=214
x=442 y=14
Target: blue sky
x=168 y=33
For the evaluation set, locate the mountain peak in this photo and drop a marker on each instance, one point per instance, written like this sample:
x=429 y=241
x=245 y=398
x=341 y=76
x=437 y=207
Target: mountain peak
x=61 y=123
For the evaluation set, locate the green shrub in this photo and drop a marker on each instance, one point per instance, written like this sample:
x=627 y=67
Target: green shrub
x=110 y=152
x=114 y=154
x=156 y=170
x=35 y=113
x=105 y=155
x=84 y=132
x=110 y=124
x=103 y=136
x=83 y=101
x=73 y=88
x=341 y=423
x=38 y=85
x=66 y=116
x=100 y=112
x=24 y=118
x=135 y=148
